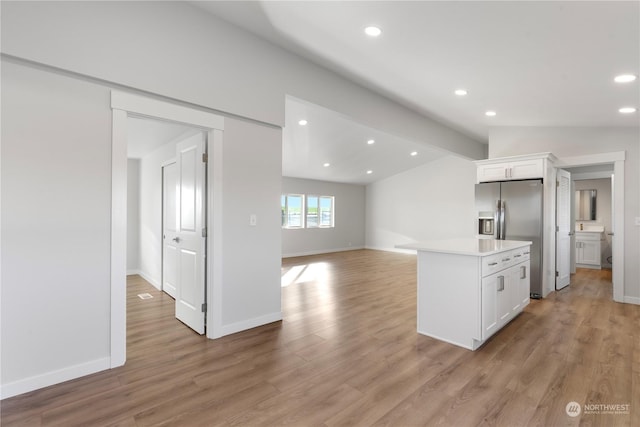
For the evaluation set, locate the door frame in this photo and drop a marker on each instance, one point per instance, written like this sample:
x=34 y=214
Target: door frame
x=162 y=221
x=124 y=104
x=617 y=159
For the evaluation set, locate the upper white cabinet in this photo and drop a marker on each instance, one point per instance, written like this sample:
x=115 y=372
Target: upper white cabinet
x=521 y=169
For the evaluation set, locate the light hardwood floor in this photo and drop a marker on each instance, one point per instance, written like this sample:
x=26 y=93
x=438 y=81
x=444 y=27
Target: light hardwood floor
x=347 y=353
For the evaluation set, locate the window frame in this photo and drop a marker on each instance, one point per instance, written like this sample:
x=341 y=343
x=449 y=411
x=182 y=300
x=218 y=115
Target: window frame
x=285 y=211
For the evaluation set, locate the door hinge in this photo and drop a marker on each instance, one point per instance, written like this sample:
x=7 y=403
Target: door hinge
x=557 y=183
x=557 y=228
x=557 y=274
x=204 y=307
x=204 y=232
x=205 y=158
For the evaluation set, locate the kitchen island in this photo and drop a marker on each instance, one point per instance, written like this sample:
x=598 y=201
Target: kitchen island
x=468 y=289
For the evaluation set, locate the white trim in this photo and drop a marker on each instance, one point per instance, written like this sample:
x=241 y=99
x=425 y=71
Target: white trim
x=617 y=158
x=156 y=284
x=395 y=250
x=122 y=104
x=534 y=156
x=591 y=159
x=134 y=272
x=118 y=340
x=54 y=377
x=232 y=328
x=214 y=225
x=323 y=251
x=164 y=110
x=632 y=300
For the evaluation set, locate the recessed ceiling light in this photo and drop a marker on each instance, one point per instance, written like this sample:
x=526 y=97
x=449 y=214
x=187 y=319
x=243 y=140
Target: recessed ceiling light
x=414 y=153
x=624 y=78
x=371 y=141
x=490 y=113
x=303 y=122
x=372 y=31
x=460 y=92
x=326 y=165
x=369 y=172
x=627 y=110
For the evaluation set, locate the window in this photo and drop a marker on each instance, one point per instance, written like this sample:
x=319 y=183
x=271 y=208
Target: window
x=292 y=212
x=317 y=211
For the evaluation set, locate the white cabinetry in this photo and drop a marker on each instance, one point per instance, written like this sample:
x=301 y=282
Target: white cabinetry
x=501 y=171
x=506 y=292
x=470 y=288
x=588 y=250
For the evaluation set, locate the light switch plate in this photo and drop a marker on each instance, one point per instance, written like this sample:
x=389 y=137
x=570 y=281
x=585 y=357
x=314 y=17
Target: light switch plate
x=253 y=219
x=638 y=220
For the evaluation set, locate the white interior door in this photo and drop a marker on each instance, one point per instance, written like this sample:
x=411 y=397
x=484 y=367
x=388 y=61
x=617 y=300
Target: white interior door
x=170 y=229
x=191 y=167
x=564 y=229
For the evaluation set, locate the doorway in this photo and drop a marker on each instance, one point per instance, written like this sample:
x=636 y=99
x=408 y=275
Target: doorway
x=170 y=217
x=124 y=106
x=607 y=172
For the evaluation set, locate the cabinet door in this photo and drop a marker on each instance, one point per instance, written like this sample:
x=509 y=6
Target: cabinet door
x=526 y=169
x=488 y=173
x=590 y=252
x=523 y=291
x=504 y=289
x=489 y=306
x=579 y=253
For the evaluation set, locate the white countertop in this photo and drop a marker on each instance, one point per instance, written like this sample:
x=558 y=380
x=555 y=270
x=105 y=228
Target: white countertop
x=474 y=247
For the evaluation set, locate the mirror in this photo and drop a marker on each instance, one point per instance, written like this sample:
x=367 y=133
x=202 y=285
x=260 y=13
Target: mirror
x=585 y=205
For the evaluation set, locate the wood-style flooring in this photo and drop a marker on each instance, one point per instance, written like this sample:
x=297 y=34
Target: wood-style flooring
x=347 y=353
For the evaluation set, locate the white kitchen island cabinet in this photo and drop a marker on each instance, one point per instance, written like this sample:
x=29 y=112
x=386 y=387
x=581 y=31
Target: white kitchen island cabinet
x=468 y=289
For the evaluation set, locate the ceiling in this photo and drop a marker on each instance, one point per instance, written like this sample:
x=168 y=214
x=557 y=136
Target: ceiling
x=329 y=137
x=538 y=63
x=146 y=135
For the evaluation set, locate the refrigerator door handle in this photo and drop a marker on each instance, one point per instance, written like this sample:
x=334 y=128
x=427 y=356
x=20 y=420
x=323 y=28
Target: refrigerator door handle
x=503 y=232
x=498 y=223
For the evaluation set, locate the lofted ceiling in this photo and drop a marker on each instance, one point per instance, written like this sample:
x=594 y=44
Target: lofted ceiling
x=333 y=139
x=535 y=63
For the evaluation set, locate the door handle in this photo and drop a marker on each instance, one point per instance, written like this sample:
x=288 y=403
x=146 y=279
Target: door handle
x=523 y=272
x=176 y=239
x=500 y=283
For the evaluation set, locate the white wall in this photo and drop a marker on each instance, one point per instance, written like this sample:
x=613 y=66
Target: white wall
x=133 y=216
x=349 y=209
x=56 y=193
x=603 y=211
x=251 y=179
x=212 y=63
x=571 y=141
x=433 y=201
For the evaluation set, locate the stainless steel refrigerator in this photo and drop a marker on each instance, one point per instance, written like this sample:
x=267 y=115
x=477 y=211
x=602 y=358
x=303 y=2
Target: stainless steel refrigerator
x=512 y=210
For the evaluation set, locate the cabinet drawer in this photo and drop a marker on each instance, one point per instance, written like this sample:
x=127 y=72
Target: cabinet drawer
x=491 y=264
x=522 y=254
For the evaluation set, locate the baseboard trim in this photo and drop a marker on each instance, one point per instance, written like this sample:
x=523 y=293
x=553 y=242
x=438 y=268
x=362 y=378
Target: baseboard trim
x=324 y=251
x=55 y=377
x=133 y=272
x=154 y=282
x=632 y=300
x=396 y=250
x=250 y=323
